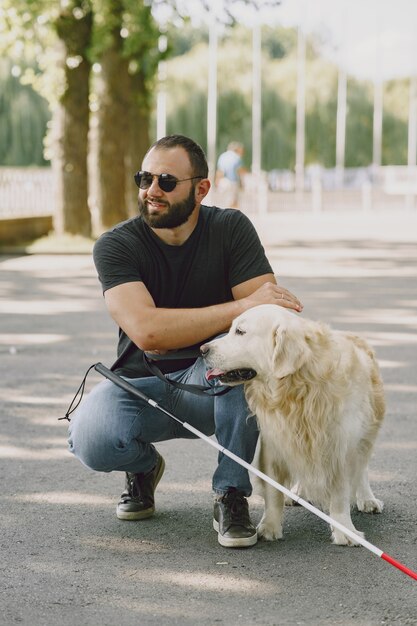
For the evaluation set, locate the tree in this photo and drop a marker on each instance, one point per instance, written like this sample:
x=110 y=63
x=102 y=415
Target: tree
x=59 y=37
x=126 y=46
x=24 y=115
x=122 y=36
x=73 y=26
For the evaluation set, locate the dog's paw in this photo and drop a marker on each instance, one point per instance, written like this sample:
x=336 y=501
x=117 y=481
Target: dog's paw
x=269 y=531
x=340 y=539
x=370 y=506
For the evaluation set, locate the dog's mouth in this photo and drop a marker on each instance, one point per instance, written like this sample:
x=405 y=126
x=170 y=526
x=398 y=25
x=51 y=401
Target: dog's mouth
x=233 y=376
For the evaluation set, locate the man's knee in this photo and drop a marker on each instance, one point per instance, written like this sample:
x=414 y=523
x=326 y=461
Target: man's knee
x=95 y=444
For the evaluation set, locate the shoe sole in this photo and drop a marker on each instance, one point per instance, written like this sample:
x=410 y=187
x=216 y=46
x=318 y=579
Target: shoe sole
x=228 y=542
x=139 y=515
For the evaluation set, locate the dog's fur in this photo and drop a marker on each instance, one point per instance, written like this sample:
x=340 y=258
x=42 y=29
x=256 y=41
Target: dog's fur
x=319 y=401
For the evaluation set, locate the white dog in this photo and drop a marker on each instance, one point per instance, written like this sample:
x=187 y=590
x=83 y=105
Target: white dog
x=318 y=398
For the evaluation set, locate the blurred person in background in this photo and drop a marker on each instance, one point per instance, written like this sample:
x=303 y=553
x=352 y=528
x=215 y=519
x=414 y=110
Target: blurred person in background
x=229 y=174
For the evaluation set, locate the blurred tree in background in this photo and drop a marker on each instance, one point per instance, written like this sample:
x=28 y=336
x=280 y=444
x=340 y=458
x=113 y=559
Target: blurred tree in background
x=126 y=47
x=187 y=100
x=24 y=116
x=120 y=38
x=92 y=66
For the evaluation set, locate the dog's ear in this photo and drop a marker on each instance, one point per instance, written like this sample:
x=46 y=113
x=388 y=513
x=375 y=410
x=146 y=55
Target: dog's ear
x=291 y=350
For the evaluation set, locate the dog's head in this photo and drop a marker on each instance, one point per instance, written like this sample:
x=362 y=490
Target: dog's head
x=265 y=341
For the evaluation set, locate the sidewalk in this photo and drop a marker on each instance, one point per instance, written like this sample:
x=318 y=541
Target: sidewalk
x=67 y=560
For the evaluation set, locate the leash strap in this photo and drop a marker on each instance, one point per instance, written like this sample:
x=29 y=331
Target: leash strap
x=198 y=390
x=79 y=392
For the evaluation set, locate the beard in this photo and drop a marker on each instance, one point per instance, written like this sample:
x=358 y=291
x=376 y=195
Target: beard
x=175 y=215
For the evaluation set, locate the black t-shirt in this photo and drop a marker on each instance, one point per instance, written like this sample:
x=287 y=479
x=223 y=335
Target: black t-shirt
x=223 y=251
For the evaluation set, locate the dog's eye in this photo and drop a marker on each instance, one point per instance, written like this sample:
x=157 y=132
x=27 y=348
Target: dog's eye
x=239 y=331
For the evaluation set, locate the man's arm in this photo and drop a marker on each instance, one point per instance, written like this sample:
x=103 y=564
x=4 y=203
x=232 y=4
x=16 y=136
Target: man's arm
x=159 y=329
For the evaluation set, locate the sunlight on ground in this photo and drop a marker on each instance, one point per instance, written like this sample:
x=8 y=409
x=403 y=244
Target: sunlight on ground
x=219 y=582
x=389 y=339
x=48 y=307
x=125 y=545
x=342 y=262
x=308 y=268
x=398 y=445
x=52 y=265
x=29 y=454
x=382 y=477
x=64 y=497
x=20 y=339
x=390 y=364
x=380 y=316
x=401 y=388
x=20 y=398
x=201 y=486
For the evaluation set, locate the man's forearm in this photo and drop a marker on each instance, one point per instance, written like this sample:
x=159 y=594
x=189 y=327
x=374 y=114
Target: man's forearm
x=153 y=328
x=171 y=329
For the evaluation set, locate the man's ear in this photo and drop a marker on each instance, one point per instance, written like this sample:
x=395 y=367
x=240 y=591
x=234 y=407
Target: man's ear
x=291 y=351
x=201 y=189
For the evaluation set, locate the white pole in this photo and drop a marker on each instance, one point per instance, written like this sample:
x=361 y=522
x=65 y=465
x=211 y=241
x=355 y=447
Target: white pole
x=256 y=99
x=341 y=104
x=161 y=111
x=377 y=124
x=412 y=123
x=412 y=141
x=212 y=94
x=341 y=124
x=300 y=123
x=378 y=96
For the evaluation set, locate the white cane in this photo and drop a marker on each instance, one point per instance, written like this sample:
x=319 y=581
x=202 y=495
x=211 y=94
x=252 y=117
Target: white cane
x=123 y=384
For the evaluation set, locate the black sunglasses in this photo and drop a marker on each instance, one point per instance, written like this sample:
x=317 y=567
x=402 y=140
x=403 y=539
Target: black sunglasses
x=166 y=182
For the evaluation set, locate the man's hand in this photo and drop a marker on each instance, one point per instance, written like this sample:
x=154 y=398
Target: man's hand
x=271 y=293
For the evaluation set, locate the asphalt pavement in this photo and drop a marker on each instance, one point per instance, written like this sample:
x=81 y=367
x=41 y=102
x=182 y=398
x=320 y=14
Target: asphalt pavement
x=67 y=560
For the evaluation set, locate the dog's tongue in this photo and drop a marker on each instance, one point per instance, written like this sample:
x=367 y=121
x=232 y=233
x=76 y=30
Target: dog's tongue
x=214 y=373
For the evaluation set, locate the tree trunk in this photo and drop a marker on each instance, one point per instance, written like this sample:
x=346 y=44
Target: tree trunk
x=128 y=69
x=138 y=140
x=113 y=135
x=72 y=118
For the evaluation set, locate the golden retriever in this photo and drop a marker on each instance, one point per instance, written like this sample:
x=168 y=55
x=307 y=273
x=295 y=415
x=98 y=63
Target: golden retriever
x=319 y=401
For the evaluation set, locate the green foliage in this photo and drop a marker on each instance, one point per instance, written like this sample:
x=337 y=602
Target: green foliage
x=279 y=42
x=359 y=126
x=182 y=40
x=233 y=121
x=395 y=123
x=26 y=33
x=394 y=140
x=128 y=27
x=278 y=131
x=24 y=116
x=190 y=118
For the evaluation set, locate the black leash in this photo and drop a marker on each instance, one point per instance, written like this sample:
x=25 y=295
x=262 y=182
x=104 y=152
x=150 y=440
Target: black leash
x=198 y=390
x=80 y=391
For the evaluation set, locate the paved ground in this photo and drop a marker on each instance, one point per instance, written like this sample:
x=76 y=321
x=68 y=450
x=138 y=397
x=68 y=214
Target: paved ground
x=67 y=560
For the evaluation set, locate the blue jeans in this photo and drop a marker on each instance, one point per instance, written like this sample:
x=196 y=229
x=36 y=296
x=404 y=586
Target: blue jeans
x=114 y=431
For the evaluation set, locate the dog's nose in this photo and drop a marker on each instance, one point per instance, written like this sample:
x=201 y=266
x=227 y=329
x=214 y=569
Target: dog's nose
x=204 y=350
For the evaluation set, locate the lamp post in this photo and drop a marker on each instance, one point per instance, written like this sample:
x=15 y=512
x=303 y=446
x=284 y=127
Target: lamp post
x=161 y=111
x=256 y=98
x=300 y=122
x=212 y=93
x=378 y=97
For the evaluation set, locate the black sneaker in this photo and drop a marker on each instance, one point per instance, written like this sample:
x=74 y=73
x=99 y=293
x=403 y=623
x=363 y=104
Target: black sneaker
x=232 y=522
x=137 y=501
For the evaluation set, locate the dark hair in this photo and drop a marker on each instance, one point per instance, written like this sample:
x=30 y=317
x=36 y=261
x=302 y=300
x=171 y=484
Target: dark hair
x=194 y=150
